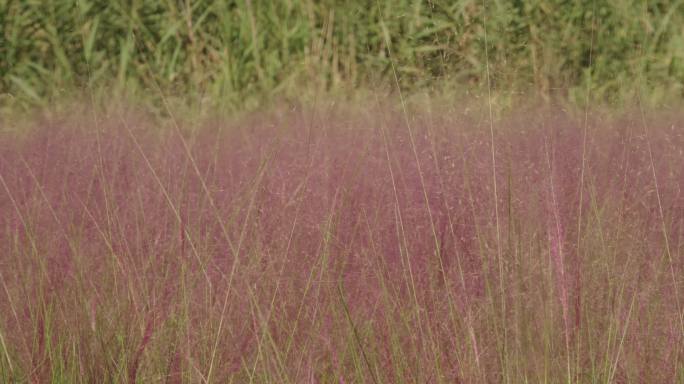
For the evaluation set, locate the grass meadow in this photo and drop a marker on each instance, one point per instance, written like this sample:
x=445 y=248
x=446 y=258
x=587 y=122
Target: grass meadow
x=318 y=191
x=343 y=245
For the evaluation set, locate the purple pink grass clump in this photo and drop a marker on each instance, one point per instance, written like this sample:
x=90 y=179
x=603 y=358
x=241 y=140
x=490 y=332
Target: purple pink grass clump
x=343 y=246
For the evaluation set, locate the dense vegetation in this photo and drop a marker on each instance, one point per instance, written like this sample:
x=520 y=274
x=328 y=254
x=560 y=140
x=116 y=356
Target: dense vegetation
x=420 y=231
x=338 y=247
x=236 y=52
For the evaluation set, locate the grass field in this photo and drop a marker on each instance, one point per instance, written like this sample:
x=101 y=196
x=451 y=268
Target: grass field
x=344 y=245
x=371 y=191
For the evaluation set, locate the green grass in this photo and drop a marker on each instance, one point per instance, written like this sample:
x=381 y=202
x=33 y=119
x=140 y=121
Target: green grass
x=239 y=53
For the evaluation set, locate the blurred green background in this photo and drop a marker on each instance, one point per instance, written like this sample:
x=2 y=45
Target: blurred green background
x=239 y=53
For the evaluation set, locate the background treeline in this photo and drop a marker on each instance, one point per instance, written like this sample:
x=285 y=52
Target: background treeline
x=236 y=51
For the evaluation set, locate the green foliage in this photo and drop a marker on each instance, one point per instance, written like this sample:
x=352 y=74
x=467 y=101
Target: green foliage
x=235 y=51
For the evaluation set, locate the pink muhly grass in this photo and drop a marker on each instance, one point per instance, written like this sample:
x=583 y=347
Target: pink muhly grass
x=135 y=361
x=556 y=236
x=129 y=251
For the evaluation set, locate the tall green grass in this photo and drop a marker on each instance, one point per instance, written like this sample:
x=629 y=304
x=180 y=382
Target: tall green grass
x=238 y=53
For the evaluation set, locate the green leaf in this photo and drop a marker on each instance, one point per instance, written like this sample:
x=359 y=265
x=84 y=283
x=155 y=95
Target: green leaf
x=25 y=87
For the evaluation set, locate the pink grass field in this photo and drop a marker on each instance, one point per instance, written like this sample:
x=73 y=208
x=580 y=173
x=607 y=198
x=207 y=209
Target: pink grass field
x=343 y=245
